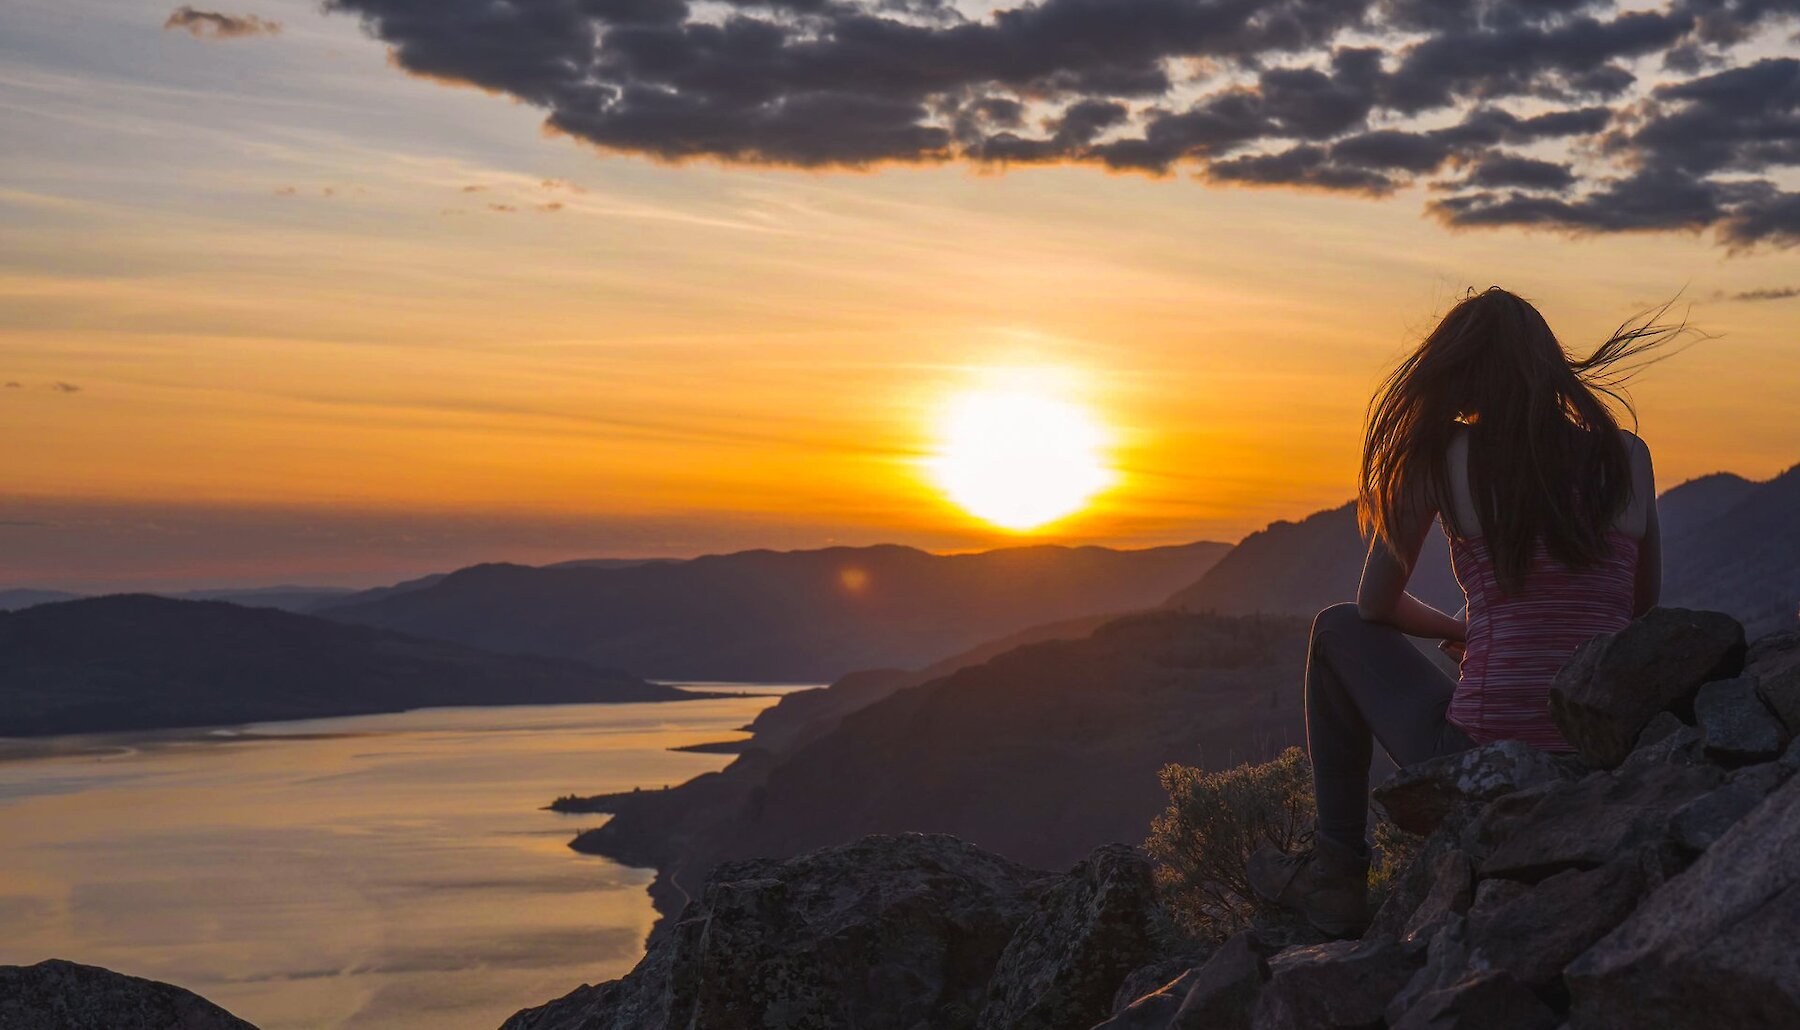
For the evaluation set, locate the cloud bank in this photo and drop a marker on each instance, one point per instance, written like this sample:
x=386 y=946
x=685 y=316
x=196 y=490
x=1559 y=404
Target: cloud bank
x=216 y=25
x=1570 y=115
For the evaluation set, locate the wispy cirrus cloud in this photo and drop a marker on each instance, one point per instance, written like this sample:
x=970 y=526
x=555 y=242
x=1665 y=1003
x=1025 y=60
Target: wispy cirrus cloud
x=1573 y=115
x=218 y=25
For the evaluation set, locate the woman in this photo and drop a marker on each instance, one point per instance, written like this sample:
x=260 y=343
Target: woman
x=1491 y=429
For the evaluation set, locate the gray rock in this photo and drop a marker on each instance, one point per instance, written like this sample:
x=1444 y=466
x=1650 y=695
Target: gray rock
x=1088 y=932
x=1219 y=995
x=1615 y=683
x=1735 y=725
x=889 y=932
x=59 y=995
x=1700 y=823
x=1340 y=984
x=1713 y=947
x=1774 y=662
x=1538 y=931
x=1153 y=977
x=1666 y=739
x=1591 y=822
x=1446 y=962
x=1492 y=1000
x=1418 y=798
x=1452 y=890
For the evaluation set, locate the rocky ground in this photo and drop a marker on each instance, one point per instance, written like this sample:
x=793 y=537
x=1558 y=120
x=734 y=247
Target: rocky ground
x=1653 y=879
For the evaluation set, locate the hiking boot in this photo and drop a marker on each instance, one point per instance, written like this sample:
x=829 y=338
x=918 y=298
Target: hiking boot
x=1327 y=883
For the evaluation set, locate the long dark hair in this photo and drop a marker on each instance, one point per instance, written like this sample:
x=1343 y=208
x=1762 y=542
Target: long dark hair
x=1546 y=460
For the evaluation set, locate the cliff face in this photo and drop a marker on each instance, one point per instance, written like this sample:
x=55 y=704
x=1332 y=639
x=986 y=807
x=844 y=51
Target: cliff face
x=1654 y=884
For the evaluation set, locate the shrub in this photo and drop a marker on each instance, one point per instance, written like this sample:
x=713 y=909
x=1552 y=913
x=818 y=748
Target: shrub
x=1214 y=821
x=1203 y=841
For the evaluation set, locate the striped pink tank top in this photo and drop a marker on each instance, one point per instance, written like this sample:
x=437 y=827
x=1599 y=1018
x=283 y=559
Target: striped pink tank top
x=1518 y=642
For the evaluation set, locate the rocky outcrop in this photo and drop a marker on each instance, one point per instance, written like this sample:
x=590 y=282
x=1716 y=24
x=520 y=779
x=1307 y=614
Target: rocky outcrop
x=59 y=995
x=887 y=932
x=1089 y=931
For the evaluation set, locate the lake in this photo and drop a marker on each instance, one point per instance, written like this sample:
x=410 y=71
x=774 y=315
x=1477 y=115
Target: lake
x=373 y=871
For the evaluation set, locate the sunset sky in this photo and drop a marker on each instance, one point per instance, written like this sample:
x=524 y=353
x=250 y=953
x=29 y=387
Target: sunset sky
x=277 y=305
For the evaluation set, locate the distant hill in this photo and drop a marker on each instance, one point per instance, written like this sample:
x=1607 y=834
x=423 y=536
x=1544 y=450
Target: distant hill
x=1745 y=559
x=1297 y=568
x=288 y=598
x=1684 y=508
x=133 y=661
x=1040 y=753
x=773 y=616
x=13 y=600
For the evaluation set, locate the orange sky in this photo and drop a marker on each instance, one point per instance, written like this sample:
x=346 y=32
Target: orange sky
x=295 y=295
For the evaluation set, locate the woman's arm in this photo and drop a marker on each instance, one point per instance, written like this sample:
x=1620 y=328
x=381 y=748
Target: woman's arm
x=1382 y=595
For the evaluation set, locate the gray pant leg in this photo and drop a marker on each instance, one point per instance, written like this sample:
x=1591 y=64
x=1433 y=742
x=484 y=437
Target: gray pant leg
x=1366 y=682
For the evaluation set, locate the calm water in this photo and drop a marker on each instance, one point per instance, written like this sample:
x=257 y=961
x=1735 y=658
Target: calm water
x=375 y=871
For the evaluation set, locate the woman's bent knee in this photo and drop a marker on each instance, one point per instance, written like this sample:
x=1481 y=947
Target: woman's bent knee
x=1342 y=615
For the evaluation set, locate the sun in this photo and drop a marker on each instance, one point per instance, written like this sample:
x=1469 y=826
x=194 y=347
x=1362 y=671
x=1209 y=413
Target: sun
x=1019 y=458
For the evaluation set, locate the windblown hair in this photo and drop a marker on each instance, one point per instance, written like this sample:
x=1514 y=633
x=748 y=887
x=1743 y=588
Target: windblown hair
x=1546 y=459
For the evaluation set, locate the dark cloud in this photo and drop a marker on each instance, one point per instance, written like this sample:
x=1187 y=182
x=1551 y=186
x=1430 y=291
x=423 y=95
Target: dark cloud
x=1498 y=169
x=1642 y=119
x=1774 y=293
x=14 y=384
x=65 y=387
x=217 y=25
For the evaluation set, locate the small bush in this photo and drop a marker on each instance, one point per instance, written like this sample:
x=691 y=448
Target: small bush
x=1203 y=841
x=1214 y=821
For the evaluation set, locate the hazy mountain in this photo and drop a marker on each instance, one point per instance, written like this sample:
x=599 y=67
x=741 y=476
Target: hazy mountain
x=133 y=661
x=1041 y=753
x=1297 y=568
x=779 y=616
x=1744 y=560
x=286 y=597
x=1684 y=508
x=23 y=597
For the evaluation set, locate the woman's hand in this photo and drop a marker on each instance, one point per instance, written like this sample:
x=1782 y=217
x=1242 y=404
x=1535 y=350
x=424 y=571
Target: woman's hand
x=1456 y=649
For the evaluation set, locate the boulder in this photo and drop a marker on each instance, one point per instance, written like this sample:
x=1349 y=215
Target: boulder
x=1774 y=662
x=1339 y=984
x=886 y=932
x=1452 y=890
x=1713 y=947
x=1591 y=822
x=1156 y=976
x=1735 y=725
x=1219 y=995
x=1666 y=739
x=1419 y=797
x=1224 y=991
x=1698 y=824
x=1446 y=962
x=1090 y=929
x=1492 y=1000
x=1538 y=931
x=67 y=996
x=1615 y=683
